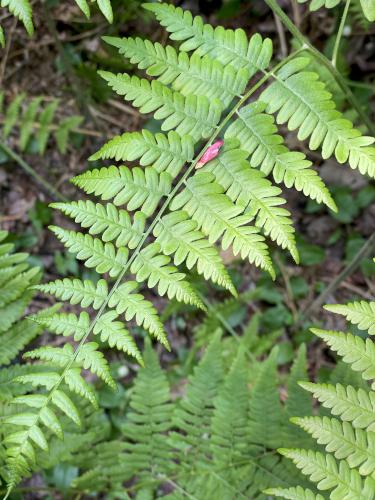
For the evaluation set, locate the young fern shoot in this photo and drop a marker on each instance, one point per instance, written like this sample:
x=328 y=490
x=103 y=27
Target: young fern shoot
x=151 y=221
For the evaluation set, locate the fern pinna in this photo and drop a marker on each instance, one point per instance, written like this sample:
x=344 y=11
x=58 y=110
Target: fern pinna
x=36 y=122
x=347 y=470
x=229 y=200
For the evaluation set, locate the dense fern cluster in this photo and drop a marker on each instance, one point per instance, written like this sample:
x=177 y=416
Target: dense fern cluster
x=347 y=469
x=174 y=213
x=36 y=123
x=193 y=446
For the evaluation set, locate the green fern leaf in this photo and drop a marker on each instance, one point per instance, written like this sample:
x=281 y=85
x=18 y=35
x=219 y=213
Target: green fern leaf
x=151 y=266
x=66 y=324
x=360 y=313
x=258 y=136
x=148 y=420
x=134 y=305
x=166 y=153
x=194 y=115
x=196 y=75
x=353 y=349
x=315 y=116
x=115 y=334
x=356 y=406
x=102 y=257
x=178 y=235
x=136 y=187
x=45 y=120
x=22 y=10
x=12 y=114
x=105 y=8
x=328 y=474
x=226 y=45
x=193 y=414
x=218 y=217
x=265 y=408
x=27 y=123
x=354 y=445
x=296 y=493
x=16 y=338
x=107 y=219
x=77 y=291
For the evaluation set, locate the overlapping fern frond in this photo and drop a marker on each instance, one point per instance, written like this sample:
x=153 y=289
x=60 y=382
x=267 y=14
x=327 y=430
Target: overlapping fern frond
x=194 y=445
x=16 y=278
x=34 y=122
x=156 y=221
x=347 y=469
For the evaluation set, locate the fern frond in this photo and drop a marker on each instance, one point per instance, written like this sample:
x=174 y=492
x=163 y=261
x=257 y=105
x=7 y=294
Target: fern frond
x=301 y=100
x=166 y=153
x=115 y=334
x=135 y=187
x=22 y=10
x=226 y=45
x=33 y=120
x=148 y=420
x=356 y=406
x=194 y=115
x=77 y=291
x=354 y=445
x=195 y=75
x=16 y=338
x=134 y=305
x=265 y=407
x=178 y=235
x=317 y=4
x=258 y=136
x=353 y=349
x=218 y=217
x=297 y=493
x=250 y=189
x=152 y=266
x=229 y=439
x=328 y=474
x=103 y=257
x=107 y=219
x=193 y=414
x=360 y=313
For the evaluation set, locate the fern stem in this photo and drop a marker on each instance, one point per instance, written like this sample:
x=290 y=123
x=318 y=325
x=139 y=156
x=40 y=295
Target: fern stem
x=306 y=44
x=146 y=234
x=339 y=33
x=23 y=164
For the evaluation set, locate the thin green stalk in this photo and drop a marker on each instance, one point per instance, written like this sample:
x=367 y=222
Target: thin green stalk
x=306 y=44
x=23 y=164
x=147 y=233
x=339 y=33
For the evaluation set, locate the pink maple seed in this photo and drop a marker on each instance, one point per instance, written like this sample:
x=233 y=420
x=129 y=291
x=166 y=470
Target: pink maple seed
x=210 y=154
